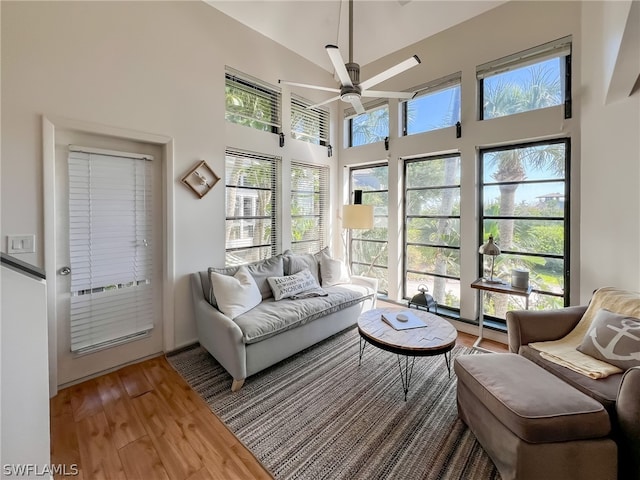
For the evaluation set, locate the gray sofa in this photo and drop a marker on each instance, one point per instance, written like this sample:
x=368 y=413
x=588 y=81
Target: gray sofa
x=275 y=330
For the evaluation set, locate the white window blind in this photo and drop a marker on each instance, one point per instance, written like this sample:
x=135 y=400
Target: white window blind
x=309 y=124
x=110 y=215
x=556 y=48
x=309 y=207
x=251 y=229
x=252 y=102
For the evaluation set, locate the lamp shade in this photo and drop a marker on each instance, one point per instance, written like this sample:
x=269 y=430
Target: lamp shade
x=489 y=248
x=357 y=216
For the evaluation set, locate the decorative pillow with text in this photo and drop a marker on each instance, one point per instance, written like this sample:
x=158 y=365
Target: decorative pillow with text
x=292 y=285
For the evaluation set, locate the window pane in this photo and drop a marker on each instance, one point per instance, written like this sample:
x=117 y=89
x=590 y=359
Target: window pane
x=523 y=89
x=432 y=111
x=439 y=260
x=440 y=201
x=309 y=206
x=309 y=124
x=438 y=172
x=531 y=200
x=240 y=257
x=530 y=236
x=369 y=252
x=251 y=103
x=538 y=162
x=434 y=231
x=380 y=273
x=370 y=127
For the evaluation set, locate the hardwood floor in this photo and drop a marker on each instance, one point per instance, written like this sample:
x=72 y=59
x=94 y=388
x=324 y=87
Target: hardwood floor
x=143 y=422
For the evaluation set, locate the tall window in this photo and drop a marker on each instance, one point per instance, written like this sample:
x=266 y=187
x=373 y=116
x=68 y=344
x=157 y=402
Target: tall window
x=436 y=105
x=369 y=127
x=368 y=249
x=309 y=207
x=251 y=213
x=524 y=199
x=432 y=227
x=309 y=124
x=536 y=78
x=251 y=102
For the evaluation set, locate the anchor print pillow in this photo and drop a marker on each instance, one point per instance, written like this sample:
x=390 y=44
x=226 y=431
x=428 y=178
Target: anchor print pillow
x=613 y=338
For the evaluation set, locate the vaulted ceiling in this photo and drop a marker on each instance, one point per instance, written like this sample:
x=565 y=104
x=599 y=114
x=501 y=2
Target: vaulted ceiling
x=380 y=27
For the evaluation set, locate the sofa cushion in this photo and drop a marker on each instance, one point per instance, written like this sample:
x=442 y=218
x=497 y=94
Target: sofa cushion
x=604 y=390
x=613 y=338
x=260 y=271
x=332 y=271
x=295 y=263
x=271 y=317
x=534 y=404
x=292 y=285
x=237 y=294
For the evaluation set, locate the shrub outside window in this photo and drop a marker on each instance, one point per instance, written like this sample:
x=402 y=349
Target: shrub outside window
x=432 y=228
x=524 y=199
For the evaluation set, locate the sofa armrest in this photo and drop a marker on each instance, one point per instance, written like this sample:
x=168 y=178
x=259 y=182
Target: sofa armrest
x=628 y=410
x=372 y=283
x=218 y=334
x=527 y=326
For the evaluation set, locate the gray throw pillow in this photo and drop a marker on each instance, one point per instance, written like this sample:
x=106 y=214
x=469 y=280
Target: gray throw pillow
x=614 y=339
x=299 y=262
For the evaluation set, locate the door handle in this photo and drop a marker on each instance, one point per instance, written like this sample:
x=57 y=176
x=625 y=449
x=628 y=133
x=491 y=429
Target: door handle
x=65 y=271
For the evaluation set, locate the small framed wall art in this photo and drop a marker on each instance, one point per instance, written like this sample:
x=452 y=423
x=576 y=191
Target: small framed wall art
x=200 y=179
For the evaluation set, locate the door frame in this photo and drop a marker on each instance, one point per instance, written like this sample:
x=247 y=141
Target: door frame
x=50 y=124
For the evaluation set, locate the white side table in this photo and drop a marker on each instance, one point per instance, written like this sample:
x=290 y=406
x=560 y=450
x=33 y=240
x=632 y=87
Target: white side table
x=504 y=288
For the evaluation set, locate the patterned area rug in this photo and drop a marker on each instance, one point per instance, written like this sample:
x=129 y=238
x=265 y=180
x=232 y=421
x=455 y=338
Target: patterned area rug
x=318 y=415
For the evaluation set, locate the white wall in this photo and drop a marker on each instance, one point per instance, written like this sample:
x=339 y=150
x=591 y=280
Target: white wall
x=610 y=176
x=154 y=67
x=505 y=30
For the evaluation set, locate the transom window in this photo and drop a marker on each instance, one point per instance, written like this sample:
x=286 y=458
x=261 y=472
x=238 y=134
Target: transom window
x=309 y=207
x=536 y=78
x=436 y=105
x=309 y=124
x=369 y=127
x=251 y=102
x=432 y=227
x=524 y=199
x=251 y=213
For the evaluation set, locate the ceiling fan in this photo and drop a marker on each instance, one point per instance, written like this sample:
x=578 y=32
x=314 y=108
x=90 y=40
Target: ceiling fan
x=351 y=90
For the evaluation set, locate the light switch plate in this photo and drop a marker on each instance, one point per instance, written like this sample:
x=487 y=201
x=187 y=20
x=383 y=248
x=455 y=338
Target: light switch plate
x=21 y=243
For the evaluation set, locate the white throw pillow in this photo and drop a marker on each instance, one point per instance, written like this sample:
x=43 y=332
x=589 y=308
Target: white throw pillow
x=235 y=295
x=291 y=285
x=332 y=271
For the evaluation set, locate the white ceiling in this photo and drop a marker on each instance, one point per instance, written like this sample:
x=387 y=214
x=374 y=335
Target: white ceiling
x=380 y=27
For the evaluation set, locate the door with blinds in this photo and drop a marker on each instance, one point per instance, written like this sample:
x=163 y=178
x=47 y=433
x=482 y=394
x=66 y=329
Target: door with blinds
x=109 y=311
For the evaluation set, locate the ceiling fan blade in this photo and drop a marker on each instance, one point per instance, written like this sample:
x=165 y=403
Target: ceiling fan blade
x=338 y=64
x=332 y=99
x=381 y=94
x=357 y=105
x=305 y=85
x=391 y=72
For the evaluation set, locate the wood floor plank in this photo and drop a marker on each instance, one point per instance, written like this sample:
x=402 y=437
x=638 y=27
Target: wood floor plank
x=64 y=443
x=214 y=446
x=100 y=459
x=122 y=417
x=176 y=392
x=134 y=380
x=85 y=400
x=178 y=456
x=140 y=460
x=61 y=404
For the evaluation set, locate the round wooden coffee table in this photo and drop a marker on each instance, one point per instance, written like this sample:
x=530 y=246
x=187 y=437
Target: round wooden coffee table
x=437 y=337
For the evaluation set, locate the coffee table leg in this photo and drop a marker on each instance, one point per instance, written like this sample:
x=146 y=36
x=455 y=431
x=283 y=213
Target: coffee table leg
x=406 y=375
x=363 y=345
x=447 y=358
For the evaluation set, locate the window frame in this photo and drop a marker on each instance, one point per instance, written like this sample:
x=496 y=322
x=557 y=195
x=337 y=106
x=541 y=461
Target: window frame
x=562 y=47
x=566 y=257
x=405 y=216
x=319 y=114
x=350 y=115
x=429 y=88
x=323 y=215
x=267 y=90
x=238 y=214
